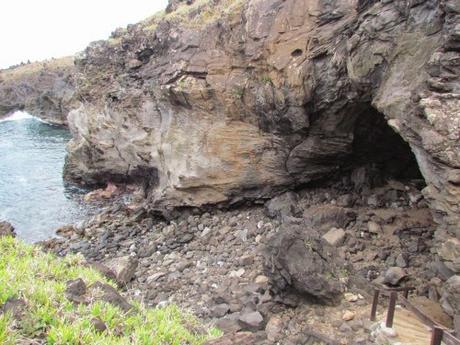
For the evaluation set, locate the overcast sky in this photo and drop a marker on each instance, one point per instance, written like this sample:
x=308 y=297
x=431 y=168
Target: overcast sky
x=41 y=29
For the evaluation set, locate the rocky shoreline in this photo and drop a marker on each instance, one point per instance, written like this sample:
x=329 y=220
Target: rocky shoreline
x=286 y=154
x=221 y=266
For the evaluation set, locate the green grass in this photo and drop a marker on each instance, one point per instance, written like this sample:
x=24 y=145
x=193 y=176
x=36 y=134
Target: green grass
x=40 y=279
x=200 y=13
x=266 y=79
x=23 y=71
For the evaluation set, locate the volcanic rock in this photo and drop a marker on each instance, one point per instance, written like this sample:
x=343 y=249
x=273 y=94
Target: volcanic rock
x=297 y=258
x=6 y=229
x=44 y=89
x=394 y=275
x=335 y=237
x=123 y=267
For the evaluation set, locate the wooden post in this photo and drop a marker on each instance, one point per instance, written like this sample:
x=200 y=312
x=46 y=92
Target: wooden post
x=406 y=294
x=375 y=303
x=437 y=335
x=391 y=309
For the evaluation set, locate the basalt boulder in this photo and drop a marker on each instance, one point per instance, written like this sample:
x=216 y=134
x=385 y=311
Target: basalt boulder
x=299 y=261
x=6 y=229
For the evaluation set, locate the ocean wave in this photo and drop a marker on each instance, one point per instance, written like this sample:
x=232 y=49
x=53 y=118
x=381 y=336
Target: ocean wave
x=20 y=115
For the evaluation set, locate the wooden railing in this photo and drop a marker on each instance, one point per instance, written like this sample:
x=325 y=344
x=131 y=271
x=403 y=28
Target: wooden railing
x=439 y=333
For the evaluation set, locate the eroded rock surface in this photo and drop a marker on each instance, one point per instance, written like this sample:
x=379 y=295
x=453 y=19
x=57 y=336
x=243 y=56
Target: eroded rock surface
x=231 y=100
x=207 y=105
x=297 y=258
x=43 y=89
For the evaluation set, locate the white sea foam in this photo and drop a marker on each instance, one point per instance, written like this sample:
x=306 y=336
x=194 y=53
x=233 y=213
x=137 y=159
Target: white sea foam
x=20 y=115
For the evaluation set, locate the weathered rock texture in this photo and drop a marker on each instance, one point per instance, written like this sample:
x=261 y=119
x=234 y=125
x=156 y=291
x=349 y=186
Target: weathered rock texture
x=44 y=89
x=231 y=100
x=299 y=260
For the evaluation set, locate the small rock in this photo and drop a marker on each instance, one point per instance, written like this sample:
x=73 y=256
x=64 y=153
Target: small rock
x=6 y=229
x=242 y=235
x=282 y=206
x=245 y=338
x=252 y=320
x=237 y=274
x=220 y=310
x=106 y=293
x=374 y=228
x=348 y=315
x=98 y=325
x=345 y=328
x=76 y=287
x=103 y=269
x=154 y=277
x=262 y=280
x=274 y=328
x=394 y=275
x=401 y=261
x=124 y=268
x=15 y=306
x=66 y=231
x=134 y=64
x=246 y=260
x=228 y=325
x=335 y=237
x=349 y=297
x=206 y=231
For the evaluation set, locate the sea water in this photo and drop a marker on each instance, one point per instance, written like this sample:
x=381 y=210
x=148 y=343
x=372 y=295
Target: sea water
x=33 y=195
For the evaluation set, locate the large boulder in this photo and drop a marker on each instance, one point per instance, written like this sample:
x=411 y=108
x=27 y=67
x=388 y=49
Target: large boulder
x=451 y=300
x=297 y=259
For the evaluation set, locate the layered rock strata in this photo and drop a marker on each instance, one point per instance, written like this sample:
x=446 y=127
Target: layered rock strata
x=230 y=100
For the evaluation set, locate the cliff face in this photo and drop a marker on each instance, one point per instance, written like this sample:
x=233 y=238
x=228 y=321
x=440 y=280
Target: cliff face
x=231 y=100
x=44 y=89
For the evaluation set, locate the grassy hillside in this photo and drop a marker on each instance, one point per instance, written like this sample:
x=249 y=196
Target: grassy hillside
x=200 y=13
x=22 y=71
x=38 y=281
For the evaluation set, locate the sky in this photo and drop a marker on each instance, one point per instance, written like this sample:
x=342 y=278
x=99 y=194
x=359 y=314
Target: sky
x=41 y=29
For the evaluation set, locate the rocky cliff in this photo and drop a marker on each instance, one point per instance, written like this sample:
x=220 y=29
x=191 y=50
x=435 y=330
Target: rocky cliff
x=230 y=100
x=221 y=101
x=44 y=89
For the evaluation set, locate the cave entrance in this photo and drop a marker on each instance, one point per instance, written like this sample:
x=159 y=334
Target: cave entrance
x=381 y=151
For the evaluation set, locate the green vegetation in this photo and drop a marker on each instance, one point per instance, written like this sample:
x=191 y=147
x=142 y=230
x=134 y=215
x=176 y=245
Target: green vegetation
x=151 y=23
x=39 y=279
x=266 y=79
x=238 y=92
x=25 y=70
x=200 y=13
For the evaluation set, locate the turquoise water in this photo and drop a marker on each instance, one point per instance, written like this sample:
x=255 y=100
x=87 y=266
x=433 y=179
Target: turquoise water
x=33 y=196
